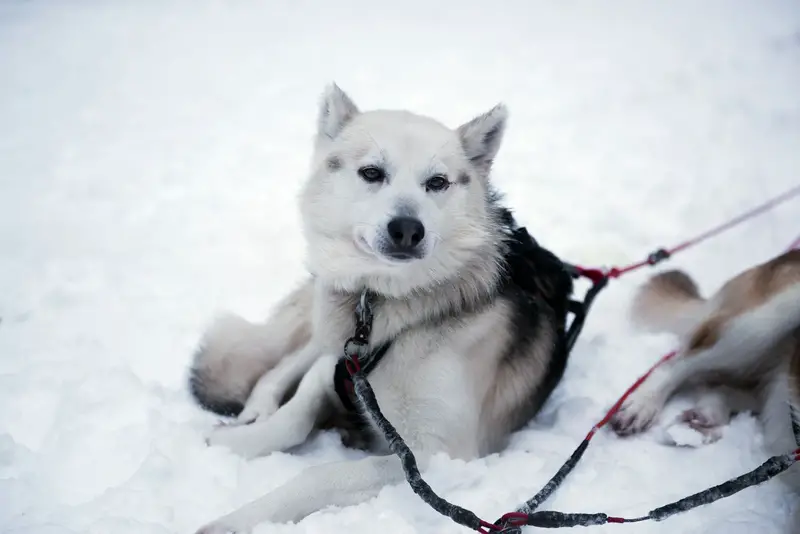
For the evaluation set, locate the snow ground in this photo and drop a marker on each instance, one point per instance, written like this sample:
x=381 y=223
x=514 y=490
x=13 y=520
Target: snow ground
x=150 y=154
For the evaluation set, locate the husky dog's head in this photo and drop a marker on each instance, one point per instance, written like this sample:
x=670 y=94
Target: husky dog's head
x=396 y=201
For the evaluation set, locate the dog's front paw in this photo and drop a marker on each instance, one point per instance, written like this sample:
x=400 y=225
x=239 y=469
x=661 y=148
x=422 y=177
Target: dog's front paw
x=241 y=440
x=242 y=419
x=637 y=413
x=252 y=413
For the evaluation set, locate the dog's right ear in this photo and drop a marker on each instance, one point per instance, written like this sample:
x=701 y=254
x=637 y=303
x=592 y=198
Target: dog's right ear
x=335 y=111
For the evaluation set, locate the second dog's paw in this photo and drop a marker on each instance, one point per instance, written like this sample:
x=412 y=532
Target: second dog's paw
x=699 y=419
x=637 y=414
x=693 y=428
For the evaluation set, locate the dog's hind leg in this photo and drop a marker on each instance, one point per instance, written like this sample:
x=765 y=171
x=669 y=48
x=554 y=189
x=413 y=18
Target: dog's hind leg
x=743 y=346
x=291 y=424
x=640 y=410
x=343 y=483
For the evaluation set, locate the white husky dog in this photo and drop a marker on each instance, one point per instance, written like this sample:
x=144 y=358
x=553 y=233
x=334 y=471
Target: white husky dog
x=469 y=312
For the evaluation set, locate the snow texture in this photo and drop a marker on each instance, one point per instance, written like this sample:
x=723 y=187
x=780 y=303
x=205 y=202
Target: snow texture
x=150 y=157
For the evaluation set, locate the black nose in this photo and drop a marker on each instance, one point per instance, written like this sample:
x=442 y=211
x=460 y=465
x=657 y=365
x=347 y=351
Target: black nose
x=405 y=232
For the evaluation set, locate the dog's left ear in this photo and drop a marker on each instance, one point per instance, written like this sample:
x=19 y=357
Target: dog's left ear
x=481 y=137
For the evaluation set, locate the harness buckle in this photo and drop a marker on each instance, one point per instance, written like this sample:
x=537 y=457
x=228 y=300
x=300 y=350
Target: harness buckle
x=355 y=348
x=364 y=308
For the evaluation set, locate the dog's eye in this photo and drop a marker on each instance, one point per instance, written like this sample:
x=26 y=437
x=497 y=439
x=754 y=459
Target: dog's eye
x=372 y=174
x=437 y=183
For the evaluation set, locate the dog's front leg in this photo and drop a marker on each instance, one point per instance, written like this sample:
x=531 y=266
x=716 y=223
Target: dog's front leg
x=273 y=385
x=335 y=484
x=291 y=424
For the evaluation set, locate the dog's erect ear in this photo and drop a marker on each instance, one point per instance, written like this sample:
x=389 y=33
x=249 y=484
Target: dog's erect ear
x=481 y=137
x=335 y=111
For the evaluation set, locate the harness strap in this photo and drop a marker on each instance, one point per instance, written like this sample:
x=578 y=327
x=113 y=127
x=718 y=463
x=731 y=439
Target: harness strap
x=580 y=309
x=342 y=382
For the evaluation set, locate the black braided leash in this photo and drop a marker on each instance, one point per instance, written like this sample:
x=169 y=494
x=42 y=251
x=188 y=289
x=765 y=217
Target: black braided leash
x=355 y=348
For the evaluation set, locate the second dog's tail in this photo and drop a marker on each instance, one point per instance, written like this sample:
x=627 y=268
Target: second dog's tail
x=668 y=302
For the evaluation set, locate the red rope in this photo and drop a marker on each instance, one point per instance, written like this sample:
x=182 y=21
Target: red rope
x=741 y=218
x=595 y=274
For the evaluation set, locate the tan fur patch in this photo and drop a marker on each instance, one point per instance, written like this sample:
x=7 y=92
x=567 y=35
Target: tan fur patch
x=757 y=285
x=705 y=336
x=742 y=293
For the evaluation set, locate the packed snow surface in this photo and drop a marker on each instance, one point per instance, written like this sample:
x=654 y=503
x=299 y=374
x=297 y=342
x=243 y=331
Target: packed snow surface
x=150 y=158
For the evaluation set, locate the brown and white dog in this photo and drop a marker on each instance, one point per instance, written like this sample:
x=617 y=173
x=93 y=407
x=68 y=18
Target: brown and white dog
x=739 y=350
